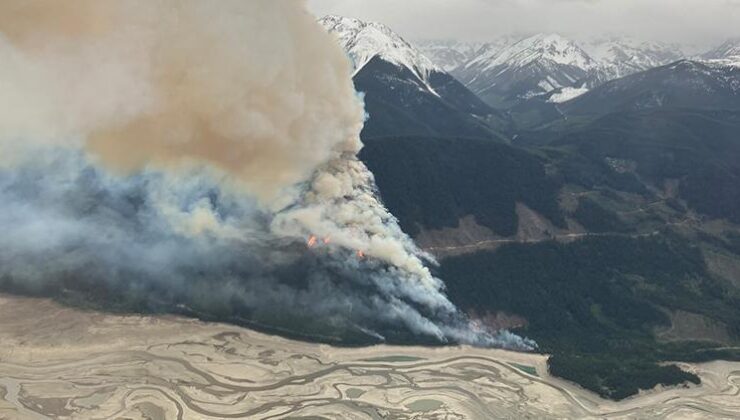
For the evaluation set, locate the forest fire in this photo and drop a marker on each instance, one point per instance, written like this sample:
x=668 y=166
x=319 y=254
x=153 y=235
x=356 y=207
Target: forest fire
x=312 y=241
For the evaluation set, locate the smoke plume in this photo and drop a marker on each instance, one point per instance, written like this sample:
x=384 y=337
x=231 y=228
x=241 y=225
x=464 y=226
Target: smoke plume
x=178 y=155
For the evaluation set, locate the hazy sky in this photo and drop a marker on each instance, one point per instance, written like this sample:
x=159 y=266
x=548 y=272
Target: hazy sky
x=701 y=23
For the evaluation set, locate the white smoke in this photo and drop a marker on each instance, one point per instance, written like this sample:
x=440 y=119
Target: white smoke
x=173 y=103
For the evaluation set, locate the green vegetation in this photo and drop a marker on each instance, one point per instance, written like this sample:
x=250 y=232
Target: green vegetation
x=616 y=377
x=594 y=304
x=698 y=148
x=596 y=218
x=433 y=182
x=733 y=241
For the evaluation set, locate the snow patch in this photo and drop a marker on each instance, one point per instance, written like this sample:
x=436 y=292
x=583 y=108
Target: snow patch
x=550 y=47
x=364 y=40
x=566 y=94
x=619 y=57
x=449 y=54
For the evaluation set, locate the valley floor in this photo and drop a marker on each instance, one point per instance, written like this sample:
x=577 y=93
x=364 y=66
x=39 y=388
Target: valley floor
x=59 y=362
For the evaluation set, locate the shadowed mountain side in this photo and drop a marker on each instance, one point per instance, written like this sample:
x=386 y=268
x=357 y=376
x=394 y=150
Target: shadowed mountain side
x=683 y=84
x=432 y=183
x=399 y=103
x=634 y=151
x=595 y=303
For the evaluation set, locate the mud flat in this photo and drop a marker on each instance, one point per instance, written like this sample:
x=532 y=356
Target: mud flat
x=58 y=362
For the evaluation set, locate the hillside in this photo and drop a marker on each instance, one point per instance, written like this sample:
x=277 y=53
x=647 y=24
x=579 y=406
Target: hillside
x=404 y=92
x=683 y=84
x=608 y=231
x=431 y=183
x=602 y=235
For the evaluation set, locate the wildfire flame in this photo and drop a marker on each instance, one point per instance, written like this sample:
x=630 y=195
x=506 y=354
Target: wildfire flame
x=311 y=241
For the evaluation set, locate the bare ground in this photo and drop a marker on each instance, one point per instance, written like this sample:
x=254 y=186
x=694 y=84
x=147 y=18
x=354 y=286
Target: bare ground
x=58 y=362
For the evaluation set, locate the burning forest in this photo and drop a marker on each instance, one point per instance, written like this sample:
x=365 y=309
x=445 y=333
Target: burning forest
x=180 y=155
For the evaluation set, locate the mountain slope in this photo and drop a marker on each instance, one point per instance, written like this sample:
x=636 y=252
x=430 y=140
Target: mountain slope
x=364 y=40
x=601 y=240
x=617 y=223
x=405 y=93
x=624 y=56
x=630 y=255
x=684 y=84
x=697 y=151
x=728 y=49
x=530 y=67
x=432 y=183
x=449 y=54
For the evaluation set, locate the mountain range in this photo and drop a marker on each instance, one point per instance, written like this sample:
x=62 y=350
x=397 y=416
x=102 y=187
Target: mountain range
x=729 y=52
x=511 y=70
x=584 y=195
x=485 y=89
x=619 y=57
x=451 y=54
x=682 y=84
x=530 y=67
x=404 y=91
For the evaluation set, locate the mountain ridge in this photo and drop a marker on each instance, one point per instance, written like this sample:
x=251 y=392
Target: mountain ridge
x=404 y=91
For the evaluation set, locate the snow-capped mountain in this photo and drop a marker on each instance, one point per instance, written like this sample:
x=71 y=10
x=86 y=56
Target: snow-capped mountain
x=540 y=47
x=530 y=67
x=728 y=52
x=452 y=55
x=624 y=56
x=405 y=93
x=684 y=84
x=489 y=50
x=448 y=54
x=364 y=40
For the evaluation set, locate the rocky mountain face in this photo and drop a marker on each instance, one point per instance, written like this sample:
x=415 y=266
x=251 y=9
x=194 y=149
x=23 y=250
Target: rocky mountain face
x=730 y=48
x=621 y=57
x=511 y=71
x=728 y=53
x=404 y=91
x=683 y=84
x=365 y=40
x=531 y=67
x=450 y=54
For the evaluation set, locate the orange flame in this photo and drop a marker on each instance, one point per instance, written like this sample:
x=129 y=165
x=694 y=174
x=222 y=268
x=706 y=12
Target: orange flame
x=360 y=254
x=311 y=241
x=327 y=240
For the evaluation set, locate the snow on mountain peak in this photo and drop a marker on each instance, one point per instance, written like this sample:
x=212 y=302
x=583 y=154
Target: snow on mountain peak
x=550 y=47
x=449 y=54
x=619 y=57
x=526 y=68
x=364 y=40
x=727 y=53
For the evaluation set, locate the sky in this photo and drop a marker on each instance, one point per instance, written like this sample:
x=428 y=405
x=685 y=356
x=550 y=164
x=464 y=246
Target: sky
x=699 y=24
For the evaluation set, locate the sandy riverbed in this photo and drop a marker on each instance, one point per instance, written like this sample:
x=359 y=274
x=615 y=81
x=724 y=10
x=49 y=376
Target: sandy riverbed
x=58 y=362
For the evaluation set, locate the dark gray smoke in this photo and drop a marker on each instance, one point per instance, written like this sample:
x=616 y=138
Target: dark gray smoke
x=177 y=155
